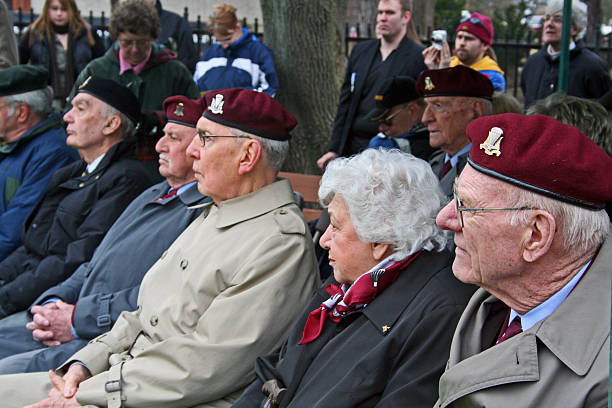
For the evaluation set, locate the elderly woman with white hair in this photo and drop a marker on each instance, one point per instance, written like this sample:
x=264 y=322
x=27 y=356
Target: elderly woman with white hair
x=377 y=333
x=588 y=73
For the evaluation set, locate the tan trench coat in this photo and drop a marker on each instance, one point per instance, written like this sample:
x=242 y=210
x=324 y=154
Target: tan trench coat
x=226 y=291
x=563 y=361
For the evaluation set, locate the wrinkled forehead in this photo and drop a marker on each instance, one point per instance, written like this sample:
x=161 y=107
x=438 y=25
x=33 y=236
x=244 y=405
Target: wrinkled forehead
x=83 y=98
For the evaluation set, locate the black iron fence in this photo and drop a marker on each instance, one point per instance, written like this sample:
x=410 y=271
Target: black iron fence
x=202 y=36
x=511 y=51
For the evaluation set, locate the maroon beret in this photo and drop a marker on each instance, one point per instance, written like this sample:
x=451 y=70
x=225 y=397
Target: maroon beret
x=455 y=81
x=182 y=110
x=253 y=112
x=539 y=153
x=479 y=25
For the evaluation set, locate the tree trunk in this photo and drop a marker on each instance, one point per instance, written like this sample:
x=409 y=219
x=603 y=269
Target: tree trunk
x=594 y=15
x=307 y=37
x=423 y=17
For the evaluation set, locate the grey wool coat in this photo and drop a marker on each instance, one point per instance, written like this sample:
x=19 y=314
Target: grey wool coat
x=562 y=361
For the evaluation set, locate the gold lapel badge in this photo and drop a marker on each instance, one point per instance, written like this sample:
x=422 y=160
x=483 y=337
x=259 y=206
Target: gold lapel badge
x=429 y=85
x=385 y=328
x=180 y=110
x=491 y=145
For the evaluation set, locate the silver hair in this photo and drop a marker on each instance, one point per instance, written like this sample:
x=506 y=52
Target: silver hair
x=580 y=230
x=276 y=150
x=392 y=197
x=128 y=127
x=38 y=100
x=579 y=14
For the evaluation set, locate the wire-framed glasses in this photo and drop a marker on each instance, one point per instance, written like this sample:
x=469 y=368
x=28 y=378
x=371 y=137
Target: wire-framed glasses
x=203 y=136
x=461 y=208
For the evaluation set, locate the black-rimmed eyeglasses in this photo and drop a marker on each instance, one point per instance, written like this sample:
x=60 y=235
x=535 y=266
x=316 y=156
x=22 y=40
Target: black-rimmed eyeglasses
x=461 y=208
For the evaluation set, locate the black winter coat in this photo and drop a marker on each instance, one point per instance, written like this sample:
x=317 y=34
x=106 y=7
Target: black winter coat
x=39 y=54
x=588 y=75
x=389 y=354
x=68 y=223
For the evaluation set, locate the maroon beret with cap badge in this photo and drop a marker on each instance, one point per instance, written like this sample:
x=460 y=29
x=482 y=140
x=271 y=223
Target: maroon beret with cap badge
x=182 y=110
x=250 y=111
x=455 y=81
x=539 y=153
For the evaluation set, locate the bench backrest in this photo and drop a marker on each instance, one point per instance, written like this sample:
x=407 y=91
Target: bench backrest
x=308 y=186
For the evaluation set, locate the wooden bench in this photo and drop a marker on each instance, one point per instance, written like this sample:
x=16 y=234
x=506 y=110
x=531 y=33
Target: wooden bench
x=308 y=186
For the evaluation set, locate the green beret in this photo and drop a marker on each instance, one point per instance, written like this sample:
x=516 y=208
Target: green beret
x=22 y=78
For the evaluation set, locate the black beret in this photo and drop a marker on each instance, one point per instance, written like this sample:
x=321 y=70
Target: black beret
x=113 y=94
x=22 y=78
x=394 y=91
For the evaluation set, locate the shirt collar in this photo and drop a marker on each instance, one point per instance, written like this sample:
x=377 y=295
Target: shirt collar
x=94 y=164
x=556 y=54
x=184 y=187
x=124 y=65
x=545 y=309
x=454 y=159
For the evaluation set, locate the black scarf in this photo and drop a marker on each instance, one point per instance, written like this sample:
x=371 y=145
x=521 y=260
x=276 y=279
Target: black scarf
x=59 y=91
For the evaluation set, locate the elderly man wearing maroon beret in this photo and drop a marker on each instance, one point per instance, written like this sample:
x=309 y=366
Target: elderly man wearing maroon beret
x=226 y=291
x=454 y=97
x=531 y=231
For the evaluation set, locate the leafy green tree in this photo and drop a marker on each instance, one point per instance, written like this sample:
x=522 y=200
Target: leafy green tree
x=511 y=21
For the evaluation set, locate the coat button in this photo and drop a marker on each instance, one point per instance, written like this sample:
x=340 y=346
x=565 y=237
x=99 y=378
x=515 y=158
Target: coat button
x=153 y=320
x=81 y=184
x=184 y=264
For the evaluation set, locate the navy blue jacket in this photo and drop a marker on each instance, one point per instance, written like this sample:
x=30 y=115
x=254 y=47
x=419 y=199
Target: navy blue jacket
x=26 y=166
x=176 y=35
x=68 y=223
x=248 y=63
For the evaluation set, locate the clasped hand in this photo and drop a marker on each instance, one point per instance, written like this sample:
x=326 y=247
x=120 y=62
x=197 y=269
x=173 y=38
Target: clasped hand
x=52 y=323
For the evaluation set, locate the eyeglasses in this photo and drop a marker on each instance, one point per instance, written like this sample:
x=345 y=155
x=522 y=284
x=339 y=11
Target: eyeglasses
x=475 y=21
x=461 y=208
x=203 y=136
x=137 y=43
x=388 y=120
x=555 y=18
